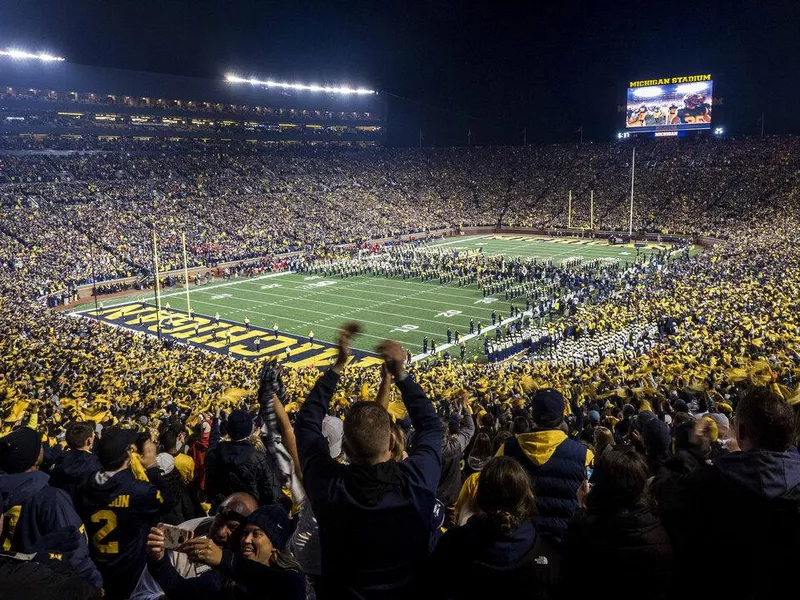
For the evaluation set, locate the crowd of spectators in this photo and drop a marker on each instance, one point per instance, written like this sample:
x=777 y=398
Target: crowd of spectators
x=528 y=493
x=233 y=205
x=657 y=433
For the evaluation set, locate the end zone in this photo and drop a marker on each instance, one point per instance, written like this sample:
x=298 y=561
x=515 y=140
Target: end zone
x=225 y=337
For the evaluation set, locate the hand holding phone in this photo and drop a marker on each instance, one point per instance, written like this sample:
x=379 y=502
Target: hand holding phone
x=174 y=536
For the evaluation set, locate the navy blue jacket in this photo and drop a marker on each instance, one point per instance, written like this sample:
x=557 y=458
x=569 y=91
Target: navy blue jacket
x=479 y=562
x=748 y=499
x=555 y=483
x=71 y=468
x=118 y=512
x=24 y=579
x=377 y=524
x=600 y=541
x=253 y=581
x=32 y=509
x=238 y=467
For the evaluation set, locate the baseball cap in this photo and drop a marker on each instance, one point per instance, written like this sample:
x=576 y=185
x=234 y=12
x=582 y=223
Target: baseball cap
x=333 y=432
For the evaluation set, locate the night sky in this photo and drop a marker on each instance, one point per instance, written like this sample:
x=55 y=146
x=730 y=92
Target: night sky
x=492 y=67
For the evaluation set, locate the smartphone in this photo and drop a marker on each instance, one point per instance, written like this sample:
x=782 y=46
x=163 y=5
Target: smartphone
x=174 y=537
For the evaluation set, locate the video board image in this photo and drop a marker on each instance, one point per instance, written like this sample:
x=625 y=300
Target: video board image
x=677 y=107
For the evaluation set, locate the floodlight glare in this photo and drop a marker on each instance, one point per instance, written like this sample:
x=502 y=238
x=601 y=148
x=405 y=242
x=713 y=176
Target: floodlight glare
x=230 y=78
x=647 y=92
x=691 y=88
x=21 y=54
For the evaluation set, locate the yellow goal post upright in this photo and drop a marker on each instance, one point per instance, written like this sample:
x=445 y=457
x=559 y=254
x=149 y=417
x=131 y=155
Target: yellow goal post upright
x=569 y=211
x=186 y=276
x=157 y=285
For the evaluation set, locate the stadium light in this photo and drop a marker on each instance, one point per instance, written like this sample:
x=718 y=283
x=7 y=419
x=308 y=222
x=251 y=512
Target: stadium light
x=691 y=88
x=647 y=92
x=21 y=54
x=230 y=78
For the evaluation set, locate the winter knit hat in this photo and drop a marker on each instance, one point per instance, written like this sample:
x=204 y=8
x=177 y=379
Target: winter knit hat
x=548 y=406
x=240 y=425
x=112 y=449
x=680 y=406
x=19 y=450
x=274 y=521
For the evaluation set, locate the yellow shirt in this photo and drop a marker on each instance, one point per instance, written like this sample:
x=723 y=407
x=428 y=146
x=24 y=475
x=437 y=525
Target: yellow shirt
x=185 y=465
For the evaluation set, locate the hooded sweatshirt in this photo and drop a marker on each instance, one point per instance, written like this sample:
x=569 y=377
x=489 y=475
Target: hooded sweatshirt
x=32 y=508
x=71 y=469
x=498 y=564
x=608 y=538
x=748 y=502
x=390 y=505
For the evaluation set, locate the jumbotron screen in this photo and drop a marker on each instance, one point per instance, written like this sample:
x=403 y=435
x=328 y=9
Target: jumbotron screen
x=669 y=104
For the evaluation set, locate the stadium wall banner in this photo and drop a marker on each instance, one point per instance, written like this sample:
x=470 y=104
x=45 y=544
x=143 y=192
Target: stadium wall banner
x=670 y=104
x=225 y=337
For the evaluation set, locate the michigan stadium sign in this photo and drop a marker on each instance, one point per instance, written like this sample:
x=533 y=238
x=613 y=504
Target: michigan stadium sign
x=670 y=80
x=669 y=104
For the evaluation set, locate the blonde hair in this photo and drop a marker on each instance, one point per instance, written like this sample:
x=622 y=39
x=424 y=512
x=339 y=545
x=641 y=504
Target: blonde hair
x=603 y=438
x=399 y=447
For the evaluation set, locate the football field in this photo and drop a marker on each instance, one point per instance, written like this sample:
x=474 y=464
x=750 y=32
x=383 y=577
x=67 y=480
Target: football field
x=405 y=310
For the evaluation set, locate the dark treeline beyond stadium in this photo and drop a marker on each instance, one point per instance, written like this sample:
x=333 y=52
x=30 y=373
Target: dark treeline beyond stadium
x=642 y=409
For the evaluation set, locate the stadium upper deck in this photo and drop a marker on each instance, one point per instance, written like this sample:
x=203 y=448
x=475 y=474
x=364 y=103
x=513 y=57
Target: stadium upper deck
x=64 y=99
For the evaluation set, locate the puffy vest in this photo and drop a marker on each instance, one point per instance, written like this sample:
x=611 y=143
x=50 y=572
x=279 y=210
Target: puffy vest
x=555 y=483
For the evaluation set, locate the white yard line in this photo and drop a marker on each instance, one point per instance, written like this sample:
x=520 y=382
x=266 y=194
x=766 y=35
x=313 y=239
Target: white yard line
x=470 y=336
x=463 y=240
x=239 y=280
x=312 y=323
x=369 y=308
x=334 y=291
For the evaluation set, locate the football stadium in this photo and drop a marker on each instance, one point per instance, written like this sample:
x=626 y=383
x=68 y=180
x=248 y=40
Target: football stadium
x=315 y=302
x=417 y=311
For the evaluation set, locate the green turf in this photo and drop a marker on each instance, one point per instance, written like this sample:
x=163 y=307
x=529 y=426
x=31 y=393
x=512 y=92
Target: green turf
x=402 y=310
